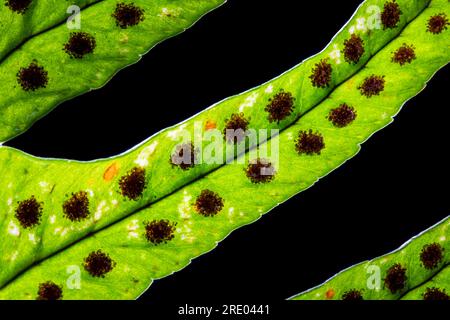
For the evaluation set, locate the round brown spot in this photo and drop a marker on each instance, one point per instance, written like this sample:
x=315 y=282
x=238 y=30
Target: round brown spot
x=133 y=183
x=80 y=44
x=280 y=106
x=29 y=212
x=435 y=294
x=98 y=263
x=128 y=15
x=309 y=142
x=185 y=156
x=342 y=116
x=352 y=294
x=372 y=86
x=76 y=208
x=437 y=23
x=431 y=255
x=260 y=171
x=321 y=74
x=32 y=77
x=405 y=54
x=353 y=49
x=18 y=6
x=49 y=291
x=390 y=16
x=395 y=278
x=208 y=203
x=111 y=172
x=159 y=231
x=235 y=128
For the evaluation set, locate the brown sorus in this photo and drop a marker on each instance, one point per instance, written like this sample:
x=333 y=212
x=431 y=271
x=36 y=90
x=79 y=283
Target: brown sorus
x=390 y=16
x=405 y=54
x=49 y=291
x=431 y=255
x=185 y=156
x=321 y=74
x=372 y=86
x=395 y=278
x=18 y=6
x=79 y=45
x=435 y=294
x=235 y=128
x=438 y=23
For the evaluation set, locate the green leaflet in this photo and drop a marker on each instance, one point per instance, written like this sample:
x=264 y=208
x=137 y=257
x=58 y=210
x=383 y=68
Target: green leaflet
x=18 y=26
x=24 y=176
x=65 y=76
x=137 y=262
x=421 y=263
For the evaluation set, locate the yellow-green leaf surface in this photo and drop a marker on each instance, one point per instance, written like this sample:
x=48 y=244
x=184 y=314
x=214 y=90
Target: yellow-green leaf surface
x=406 y=273
x=188 y=232
x=66 y=76
x=24 y=176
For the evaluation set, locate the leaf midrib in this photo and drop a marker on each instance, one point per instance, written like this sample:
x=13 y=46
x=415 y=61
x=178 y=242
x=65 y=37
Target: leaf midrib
x=235 y=157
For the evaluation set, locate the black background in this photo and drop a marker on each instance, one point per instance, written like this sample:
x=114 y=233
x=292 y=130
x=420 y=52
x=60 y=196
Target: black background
x=393 y=189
